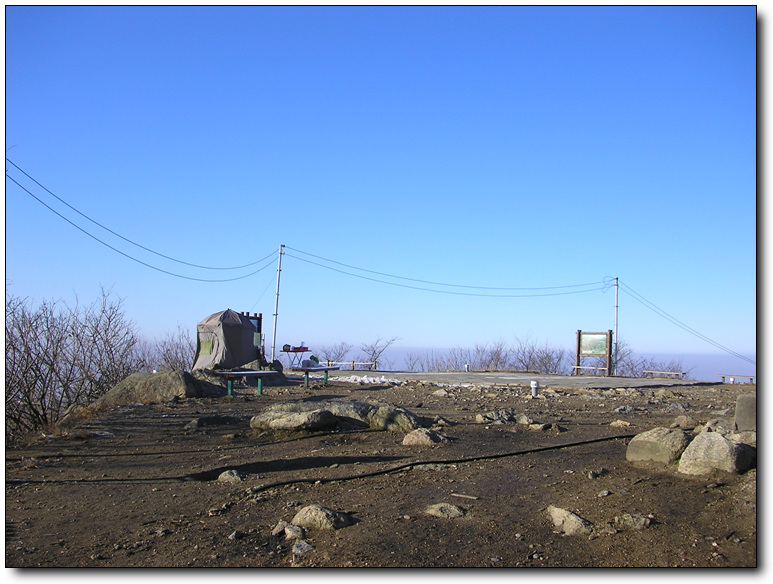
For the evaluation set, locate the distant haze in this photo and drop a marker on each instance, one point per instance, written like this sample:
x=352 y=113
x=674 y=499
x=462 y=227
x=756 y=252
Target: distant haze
x=701 y=367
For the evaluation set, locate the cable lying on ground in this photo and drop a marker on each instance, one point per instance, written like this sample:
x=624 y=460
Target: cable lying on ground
x=260 y=488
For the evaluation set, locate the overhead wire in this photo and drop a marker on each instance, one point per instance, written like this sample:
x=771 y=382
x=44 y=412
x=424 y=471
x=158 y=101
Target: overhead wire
x=436 y=283
x=441 y=291
x=97 y=223
x=456 y=293
x=79 y=228
x=663 y=314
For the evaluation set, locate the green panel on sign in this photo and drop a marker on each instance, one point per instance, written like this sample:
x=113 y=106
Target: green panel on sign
x=256 y=339
x=593 y=345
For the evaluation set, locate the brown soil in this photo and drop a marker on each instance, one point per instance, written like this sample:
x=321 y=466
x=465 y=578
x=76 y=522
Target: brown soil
x=147 y=493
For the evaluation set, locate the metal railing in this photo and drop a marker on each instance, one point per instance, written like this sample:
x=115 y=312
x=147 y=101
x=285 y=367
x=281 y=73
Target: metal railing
x=371 y=366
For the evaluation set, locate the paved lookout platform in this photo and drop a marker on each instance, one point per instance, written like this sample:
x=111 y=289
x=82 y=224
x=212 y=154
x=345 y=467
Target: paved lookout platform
x=524 y=379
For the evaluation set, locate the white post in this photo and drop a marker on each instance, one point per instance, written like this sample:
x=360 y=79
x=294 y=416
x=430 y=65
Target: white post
x=614 y=365
x=276 y=303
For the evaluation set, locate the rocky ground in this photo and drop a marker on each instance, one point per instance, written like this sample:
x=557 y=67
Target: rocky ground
x=144 y=485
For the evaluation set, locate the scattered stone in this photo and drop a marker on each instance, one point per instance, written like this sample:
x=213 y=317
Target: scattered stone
x=310 y=421
x=711 y=451
x=684 y=422
x=423 y=437
x=723 y=426
x=658 y=445
x=440 y=393
x=620 y=424
x=633 y=521
x=444 y=511
x=377 y=416
x=604 y=494
x=236 y=535
x=230 y=476
x=319 y=517
x=279 y=527
x=294 y=531
x=441 y=421
x=210 y=421
x=745 y=413
x=496 y=417
x=569 y=523
x=749 y=438
x=302 y=547
x=627 y=409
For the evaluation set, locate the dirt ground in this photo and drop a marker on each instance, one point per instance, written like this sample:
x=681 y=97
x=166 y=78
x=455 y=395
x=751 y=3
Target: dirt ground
x=134 y=487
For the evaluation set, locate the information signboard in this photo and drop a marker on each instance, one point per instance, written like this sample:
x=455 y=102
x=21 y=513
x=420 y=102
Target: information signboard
x=593 y=344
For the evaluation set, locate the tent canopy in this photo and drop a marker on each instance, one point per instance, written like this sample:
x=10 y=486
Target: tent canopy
x=225 y=340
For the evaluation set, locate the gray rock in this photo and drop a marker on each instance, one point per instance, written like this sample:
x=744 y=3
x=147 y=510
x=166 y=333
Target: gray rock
x=569 y=523
x=302 y=547
x=294 y=532
x=444 y=511
x=279 y=527
x=625 y=409
x=746 y=413
x=423 y=437
x=722 y=426
x=748 y=438
x=497 y=417
x=657 y=445
x=319 y=517
x=377 y=416
x=684 y=422
x=634 y=521
x=711 y=451
x=149 y=388
x=230 y=476
x=319 y=419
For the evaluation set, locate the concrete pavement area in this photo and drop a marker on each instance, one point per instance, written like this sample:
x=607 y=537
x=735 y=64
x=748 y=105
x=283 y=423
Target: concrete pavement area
x=525 y=379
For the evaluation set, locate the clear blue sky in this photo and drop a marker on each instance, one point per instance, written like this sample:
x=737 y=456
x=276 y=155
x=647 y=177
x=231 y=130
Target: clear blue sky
x=483 y=147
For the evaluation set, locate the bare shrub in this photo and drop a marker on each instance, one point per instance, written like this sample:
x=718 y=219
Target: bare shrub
x=372 y=352
x=630 y=365
x=57 y=356
x=335 y=353
x=177 y=350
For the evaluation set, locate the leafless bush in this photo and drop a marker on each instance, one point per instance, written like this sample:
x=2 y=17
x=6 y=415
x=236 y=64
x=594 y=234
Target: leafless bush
x=57 y=356
x=498 y=356
x=630 y=365
x=335 y=353
x=177 y=350
x=372 y=352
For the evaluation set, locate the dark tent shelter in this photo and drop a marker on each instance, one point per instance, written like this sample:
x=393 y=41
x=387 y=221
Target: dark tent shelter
x=226 y=340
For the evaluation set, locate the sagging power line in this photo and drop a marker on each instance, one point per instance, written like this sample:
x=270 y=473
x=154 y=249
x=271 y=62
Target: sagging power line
x=663 y=314
x=269 y=257
x=599 y=285
x=126 y=239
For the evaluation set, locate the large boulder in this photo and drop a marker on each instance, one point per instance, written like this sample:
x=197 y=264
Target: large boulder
x=319 y=517
x=423 y=437
x=444 y=510
x=569 y=523
x=746 y=413
x=657 y=445
x=295 y=421
x=374 y=416
x=711 y=451
x=151 y=388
